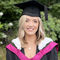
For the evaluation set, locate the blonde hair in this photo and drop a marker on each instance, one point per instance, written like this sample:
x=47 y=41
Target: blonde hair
x=21 y=34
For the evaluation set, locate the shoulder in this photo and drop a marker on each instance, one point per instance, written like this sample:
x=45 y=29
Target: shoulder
x=52 y=54
x=15 y=42
x=10 y=55
x=47 y=43
x=44 y=43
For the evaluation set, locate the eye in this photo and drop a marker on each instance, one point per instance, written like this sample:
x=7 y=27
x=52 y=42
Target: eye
x=35 y=21
x=27 y=20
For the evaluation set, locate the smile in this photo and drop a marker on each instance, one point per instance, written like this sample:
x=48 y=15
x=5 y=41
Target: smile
x=30 y=29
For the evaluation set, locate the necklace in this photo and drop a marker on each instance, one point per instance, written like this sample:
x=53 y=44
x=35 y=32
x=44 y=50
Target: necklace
x=29 y=48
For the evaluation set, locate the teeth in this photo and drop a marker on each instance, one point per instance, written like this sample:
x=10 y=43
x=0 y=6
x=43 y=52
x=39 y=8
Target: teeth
x=30 y=29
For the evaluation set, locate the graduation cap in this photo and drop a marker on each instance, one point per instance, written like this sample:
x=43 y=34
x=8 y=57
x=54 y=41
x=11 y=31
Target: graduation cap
x=33 y=8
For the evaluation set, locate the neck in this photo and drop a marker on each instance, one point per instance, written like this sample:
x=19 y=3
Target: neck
x=30 y=39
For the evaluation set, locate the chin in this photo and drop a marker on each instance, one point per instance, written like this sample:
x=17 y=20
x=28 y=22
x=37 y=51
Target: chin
x=30 y=33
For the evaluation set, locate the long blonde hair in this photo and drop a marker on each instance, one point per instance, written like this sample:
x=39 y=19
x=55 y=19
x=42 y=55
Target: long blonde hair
x=21 y=34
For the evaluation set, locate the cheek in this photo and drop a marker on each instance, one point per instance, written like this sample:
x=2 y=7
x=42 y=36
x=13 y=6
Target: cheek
x=25 y=26
x=36 y=26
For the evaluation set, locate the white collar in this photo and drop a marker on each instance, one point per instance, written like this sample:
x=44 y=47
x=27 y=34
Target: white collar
x=42 y=44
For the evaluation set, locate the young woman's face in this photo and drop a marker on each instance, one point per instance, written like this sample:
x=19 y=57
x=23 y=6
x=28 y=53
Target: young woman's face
x=31 y=25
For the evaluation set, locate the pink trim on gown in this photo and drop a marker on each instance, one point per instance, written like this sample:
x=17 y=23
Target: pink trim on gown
x=38 y=56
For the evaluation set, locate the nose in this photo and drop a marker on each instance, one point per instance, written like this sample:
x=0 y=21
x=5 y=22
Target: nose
x=30 y=23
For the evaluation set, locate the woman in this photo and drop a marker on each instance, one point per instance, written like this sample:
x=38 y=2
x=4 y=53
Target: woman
x=31 y=43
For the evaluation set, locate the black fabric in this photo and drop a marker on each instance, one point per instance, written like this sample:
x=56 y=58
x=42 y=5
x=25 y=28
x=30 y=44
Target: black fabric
x=32 y=11
x=52 y=55
x=33 y=8
x=11 y=56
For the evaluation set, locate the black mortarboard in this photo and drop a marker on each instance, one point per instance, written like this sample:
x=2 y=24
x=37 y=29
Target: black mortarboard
x=33 y=8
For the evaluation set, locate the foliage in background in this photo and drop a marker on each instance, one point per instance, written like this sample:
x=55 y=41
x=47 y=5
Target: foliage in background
x=4 y=27
x=52 y=27
x=49 y=2
x=55 y=10
x=11 y=14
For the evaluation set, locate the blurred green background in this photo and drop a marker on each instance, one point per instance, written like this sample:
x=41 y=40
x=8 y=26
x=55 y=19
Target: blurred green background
x=9 y=16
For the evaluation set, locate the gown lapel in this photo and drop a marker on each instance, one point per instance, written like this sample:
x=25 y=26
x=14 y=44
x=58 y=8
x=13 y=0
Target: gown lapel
x=39 y=53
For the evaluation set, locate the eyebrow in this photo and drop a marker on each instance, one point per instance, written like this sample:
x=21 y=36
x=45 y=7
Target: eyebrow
x=27 y=18
x=34 y=19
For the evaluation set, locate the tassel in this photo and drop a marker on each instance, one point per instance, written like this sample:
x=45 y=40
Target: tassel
x=46 y=12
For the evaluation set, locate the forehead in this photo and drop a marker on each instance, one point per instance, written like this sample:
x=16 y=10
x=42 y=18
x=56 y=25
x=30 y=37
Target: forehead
x=30 y=17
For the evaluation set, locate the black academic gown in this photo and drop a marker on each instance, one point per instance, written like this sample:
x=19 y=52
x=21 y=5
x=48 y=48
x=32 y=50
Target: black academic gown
x=52 y=55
